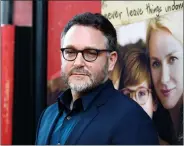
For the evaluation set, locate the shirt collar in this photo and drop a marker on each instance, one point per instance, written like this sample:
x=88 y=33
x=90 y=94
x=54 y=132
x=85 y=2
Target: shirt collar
x=64 y=101
x=84 y=102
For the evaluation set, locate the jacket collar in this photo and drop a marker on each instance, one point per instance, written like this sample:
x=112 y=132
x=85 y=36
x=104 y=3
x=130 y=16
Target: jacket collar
x=65 y=98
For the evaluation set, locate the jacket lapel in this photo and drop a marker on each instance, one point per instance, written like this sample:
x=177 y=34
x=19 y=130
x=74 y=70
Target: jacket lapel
x=51 y=128
x=50 y=121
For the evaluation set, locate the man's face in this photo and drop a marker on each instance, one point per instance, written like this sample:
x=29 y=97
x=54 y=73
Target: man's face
x=79 y=74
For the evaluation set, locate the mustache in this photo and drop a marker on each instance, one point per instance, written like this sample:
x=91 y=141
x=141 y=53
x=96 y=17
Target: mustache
x=79 y=71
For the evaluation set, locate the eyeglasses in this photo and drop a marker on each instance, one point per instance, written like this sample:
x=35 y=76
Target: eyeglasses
x=88 y=54
x=141 y=94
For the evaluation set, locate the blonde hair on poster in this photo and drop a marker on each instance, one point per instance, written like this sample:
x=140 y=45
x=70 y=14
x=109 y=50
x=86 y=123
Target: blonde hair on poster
x=173 y=22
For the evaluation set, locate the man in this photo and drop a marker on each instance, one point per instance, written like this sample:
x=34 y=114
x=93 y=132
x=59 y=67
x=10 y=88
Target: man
x=91 y=111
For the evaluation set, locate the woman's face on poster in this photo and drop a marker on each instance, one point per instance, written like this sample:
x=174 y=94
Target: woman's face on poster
x=166 y=60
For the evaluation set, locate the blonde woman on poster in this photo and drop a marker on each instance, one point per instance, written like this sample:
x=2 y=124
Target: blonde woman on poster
x=165 y=43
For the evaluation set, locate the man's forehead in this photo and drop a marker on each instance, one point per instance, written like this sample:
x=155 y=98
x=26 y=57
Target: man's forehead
x=82 y=36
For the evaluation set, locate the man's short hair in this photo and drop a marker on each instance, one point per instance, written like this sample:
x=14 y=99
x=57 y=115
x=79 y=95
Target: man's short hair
x=98 y=22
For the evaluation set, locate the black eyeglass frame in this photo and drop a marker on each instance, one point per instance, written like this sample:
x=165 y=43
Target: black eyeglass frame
x=82 y=52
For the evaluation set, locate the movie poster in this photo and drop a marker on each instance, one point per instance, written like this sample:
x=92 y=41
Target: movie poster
x=150 y=65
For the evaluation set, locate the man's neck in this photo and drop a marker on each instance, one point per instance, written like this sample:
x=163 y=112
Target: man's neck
x=75 y=95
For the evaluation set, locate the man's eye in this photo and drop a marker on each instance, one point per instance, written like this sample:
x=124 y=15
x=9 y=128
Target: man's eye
x=155 y=64
x=69 y=51
x=91 y=52
x=172 y=59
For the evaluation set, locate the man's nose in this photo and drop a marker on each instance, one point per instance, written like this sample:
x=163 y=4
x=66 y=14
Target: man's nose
x=165 y=75
x=79 y=60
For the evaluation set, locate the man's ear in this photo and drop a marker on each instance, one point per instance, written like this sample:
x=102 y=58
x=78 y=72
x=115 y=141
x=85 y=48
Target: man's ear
x=112 y=60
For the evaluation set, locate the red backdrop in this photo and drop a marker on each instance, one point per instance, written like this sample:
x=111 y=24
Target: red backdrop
x=7 y=50
x=59 y=13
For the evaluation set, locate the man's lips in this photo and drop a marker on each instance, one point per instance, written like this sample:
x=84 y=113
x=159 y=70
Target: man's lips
x=79 y=74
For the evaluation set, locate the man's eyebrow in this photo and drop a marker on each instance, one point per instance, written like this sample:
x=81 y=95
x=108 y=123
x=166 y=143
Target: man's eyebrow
x=86 y=47
x=89 y=47
x=70 y=46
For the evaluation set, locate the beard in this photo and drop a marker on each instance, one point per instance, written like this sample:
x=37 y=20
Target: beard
x=91 y=80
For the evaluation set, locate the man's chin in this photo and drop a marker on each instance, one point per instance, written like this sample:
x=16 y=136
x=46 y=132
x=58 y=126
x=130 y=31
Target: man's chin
x=80 y=85
x=79 y=88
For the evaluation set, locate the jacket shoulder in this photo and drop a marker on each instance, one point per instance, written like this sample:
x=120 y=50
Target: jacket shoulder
x=134 y=123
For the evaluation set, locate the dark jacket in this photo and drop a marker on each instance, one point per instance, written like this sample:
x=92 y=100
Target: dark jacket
x=111 y=119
